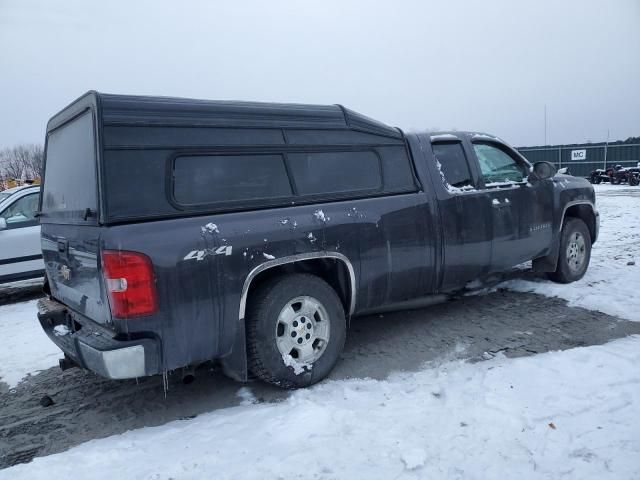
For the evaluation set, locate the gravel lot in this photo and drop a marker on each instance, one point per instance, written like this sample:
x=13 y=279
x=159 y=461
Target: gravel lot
x=472 y=327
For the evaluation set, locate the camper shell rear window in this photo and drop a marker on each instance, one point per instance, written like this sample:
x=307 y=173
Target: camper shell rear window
x=70 y=185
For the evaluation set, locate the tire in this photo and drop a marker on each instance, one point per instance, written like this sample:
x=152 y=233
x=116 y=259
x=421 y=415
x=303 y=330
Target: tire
x=299 y=304
x=575 y=252
x=633 y=180
x=598 y=181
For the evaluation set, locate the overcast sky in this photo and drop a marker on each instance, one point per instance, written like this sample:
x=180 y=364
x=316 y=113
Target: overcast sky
x=489 y=65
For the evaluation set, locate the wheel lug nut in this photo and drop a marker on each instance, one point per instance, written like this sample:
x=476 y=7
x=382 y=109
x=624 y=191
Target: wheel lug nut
x=295 y=324
x=299 y=340
x=293 y=334
x=307 y=336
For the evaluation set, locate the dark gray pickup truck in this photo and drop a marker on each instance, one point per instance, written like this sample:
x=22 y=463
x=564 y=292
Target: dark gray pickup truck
x=177 y=232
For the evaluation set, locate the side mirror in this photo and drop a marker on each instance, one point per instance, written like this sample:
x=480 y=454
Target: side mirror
x=542 y=171
x=3 y=223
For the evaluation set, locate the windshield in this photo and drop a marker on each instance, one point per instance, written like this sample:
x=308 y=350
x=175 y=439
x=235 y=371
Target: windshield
x=70 y=173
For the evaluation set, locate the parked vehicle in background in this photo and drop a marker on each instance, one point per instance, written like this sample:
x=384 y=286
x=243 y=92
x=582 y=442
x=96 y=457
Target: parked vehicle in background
x=20 y=250
x=248 y=233
x=616 y=175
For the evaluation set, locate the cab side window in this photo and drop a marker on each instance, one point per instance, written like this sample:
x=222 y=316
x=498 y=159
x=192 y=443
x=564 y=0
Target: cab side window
x=497 y=166
x=453 y=164
x=22 y=212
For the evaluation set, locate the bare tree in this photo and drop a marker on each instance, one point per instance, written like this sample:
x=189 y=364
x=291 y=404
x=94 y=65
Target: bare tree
x=22 y=162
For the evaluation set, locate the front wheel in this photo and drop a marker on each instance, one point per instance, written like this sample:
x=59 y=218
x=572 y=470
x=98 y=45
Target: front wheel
x=296 y=330
x=575 y=252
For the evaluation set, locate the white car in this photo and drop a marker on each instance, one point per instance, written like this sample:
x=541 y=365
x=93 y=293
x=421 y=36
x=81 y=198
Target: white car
x=20 y=251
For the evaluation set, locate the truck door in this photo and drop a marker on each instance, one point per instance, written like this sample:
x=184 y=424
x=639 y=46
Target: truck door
x=521 y=212
x=464 y=212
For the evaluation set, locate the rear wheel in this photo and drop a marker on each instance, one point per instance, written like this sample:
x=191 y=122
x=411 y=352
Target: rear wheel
x=633 y=180
x=575 y=252
x=296 y=330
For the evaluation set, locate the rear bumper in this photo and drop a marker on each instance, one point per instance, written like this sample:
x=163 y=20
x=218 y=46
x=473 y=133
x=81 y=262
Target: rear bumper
x=94 y=347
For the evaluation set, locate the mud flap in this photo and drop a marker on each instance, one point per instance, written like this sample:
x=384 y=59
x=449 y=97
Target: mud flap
x=234 y=365
x=548 y=263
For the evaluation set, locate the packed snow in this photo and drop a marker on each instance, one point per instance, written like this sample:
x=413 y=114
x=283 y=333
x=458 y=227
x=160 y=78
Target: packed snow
x=26 y=349
x=570 y=414
x=612 y=282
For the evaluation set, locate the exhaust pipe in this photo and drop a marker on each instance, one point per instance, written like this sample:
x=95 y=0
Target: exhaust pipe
x=188 y=375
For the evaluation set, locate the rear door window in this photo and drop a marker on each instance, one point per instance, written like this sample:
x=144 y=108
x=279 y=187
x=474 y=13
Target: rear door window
x=453 y=164
x=208 y=179
x=70 y=173
x=320 y=173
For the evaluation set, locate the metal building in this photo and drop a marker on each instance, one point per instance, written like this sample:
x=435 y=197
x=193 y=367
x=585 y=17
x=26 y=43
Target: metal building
x=582 y=159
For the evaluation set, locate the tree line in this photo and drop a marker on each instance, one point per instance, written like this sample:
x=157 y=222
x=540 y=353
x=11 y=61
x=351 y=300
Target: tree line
x=21 y=163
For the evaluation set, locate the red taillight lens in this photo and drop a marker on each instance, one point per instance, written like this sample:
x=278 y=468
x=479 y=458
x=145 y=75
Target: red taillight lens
x=130 y=283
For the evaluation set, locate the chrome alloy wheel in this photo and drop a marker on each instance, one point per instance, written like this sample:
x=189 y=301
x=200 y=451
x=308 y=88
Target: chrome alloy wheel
x=302 y=329
x=576 y=252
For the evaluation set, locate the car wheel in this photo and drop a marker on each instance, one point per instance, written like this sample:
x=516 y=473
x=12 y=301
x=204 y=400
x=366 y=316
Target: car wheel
x=633 y=180
x=296 y=329
x=575 y=252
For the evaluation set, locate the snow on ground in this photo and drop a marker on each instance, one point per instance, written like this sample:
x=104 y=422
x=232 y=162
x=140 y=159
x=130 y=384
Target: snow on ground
x=570 y=414
x=25 y=347
x=610 y=285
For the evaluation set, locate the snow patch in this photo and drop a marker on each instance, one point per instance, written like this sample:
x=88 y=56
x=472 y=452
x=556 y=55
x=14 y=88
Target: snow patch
x=311 y=238
x=210 y=228
x=319 y=214
x=298 y=367
x=413 y=458
x=491 y=420
x=268 y=257
x=26 y=349
x=61 y=330
x=246 y=396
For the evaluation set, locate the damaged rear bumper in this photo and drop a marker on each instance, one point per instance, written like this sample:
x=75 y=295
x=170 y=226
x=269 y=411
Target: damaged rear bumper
x=96 y=348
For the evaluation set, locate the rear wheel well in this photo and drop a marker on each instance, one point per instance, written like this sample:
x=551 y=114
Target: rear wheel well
x=585 y=213
x=331 y=270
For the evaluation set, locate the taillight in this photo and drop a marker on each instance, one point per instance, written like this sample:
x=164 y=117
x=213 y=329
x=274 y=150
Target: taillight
x=130 y=283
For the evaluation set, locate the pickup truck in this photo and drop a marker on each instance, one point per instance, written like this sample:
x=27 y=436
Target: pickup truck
x=177 y=232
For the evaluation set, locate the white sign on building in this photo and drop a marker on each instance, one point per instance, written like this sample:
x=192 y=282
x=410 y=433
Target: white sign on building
x=578 y=154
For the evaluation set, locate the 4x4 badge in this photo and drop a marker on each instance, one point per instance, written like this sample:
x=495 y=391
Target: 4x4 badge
x=201 y=254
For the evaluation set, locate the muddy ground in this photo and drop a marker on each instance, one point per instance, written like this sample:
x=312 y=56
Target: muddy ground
x=472 y=327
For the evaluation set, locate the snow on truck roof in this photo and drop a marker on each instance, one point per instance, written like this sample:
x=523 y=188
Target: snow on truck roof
x=133 y=110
